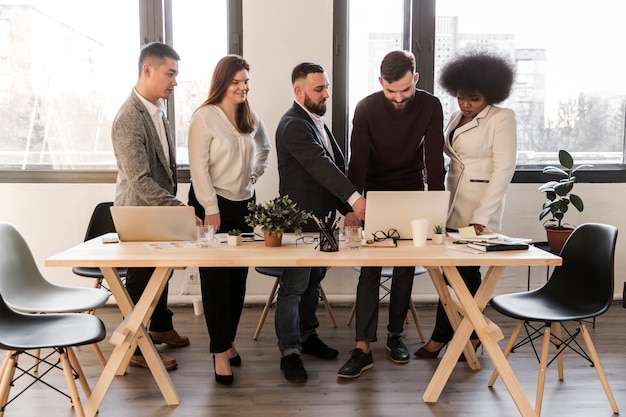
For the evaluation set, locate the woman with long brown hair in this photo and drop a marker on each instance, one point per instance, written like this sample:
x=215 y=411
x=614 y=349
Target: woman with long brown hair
x=228 y=151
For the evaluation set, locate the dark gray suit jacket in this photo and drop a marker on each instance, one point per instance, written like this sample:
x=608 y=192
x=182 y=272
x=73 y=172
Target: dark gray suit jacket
x=144 y=177
x=306 y=169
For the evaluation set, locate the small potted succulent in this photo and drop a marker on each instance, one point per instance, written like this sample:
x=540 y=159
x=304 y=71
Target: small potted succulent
x=275 y=216
x=559 y=196
x=234 y=237
x=438 y=234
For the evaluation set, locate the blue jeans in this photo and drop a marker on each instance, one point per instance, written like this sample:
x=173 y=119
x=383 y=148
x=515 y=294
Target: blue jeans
x=295 y=317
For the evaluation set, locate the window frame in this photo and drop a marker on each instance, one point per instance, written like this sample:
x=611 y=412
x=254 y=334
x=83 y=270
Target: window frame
x=155 y=24
x=419 y=33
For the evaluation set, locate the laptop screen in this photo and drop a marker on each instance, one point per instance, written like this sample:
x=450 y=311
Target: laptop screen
x=386 y=210
x=154 y=223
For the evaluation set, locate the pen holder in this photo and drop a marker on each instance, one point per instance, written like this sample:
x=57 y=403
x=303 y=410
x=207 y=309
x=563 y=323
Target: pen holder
x=329 y=240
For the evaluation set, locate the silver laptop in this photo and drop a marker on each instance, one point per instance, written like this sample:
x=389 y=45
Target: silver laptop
x=154 y=223
x=386 y=210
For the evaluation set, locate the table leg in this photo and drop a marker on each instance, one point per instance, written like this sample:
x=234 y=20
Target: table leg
x=452 y=312
x=130 y=333
x=474 y=319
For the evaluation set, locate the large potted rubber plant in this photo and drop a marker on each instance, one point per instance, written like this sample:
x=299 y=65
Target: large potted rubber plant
x=559 y=198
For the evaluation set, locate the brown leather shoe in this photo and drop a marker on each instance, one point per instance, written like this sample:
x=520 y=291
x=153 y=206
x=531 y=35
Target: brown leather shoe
x=170 y=337
x=138 y=361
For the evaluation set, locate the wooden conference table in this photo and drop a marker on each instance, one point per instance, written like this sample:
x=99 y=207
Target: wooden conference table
x=437 y=259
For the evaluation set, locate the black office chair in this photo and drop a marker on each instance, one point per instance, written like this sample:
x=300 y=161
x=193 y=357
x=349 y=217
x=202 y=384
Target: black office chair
x=581 y=288
x=275 y=272
x=100 y=223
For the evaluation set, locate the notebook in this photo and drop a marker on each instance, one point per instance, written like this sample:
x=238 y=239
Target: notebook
x=154 y=223
x=386 y=210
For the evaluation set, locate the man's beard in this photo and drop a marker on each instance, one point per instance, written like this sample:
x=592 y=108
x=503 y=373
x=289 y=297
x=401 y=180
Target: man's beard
x=319 y=109
x=403 y=105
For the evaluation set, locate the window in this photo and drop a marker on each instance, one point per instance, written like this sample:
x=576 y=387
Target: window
x=200 y=38
x=570 y=92
x=63 y=75
x=375 y=28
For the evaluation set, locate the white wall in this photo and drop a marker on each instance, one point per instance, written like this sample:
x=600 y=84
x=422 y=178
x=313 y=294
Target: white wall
x=279 y=34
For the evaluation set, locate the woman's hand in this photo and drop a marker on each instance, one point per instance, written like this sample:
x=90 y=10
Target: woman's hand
x=478 y=228
x=213 y=219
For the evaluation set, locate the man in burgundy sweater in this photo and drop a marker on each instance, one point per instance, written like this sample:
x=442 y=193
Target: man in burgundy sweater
x=396 y=145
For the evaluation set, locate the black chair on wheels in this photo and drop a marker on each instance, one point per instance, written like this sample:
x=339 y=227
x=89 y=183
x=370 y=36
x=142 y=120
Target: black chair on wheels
x=100 y=223
x=580 y=289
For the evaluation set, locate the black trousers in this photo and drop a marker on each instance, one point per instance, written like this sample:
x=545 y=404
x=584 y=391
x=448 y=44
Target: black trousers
x=367 y=300
x=224 y=289
x=443 y=331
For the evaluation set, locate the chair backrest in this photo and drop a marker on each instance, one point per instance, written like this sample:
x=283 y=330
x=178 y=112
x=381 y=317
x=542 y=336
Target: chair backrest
x=101 y=221
x=18 y=269
x=586 y=277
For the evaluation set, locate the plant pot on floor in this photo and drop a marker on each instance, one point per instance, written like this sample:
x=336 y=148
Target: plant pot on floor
x=557 y=237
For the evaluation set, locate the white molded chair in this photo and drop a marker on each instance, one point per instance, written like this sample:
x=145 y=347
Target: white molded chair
x=24 y=289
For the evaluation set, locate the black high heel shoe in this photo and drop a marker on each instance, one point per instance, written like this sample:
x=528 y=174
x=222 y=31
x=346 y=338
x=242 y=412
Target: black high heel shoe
x=222 y=379
x=236 y=361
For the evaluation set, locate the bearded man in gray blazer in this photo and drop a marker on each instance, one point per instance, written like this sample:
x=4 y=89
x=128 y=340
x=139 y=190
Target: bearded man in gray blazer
x=146 y=163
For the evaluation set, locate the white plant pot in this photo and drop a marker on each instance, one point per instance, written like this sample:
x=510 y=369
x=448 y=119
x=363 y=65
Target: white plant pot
x=233 y=240
x=438 y=239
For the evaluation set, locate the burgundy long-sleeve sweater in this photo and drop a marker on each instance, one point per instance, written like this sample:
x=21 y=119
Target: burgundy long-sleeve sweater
x=397 y=150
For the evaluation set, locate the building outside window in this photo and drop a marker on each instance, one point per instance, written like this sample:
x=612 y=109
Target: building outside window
x=569 y=92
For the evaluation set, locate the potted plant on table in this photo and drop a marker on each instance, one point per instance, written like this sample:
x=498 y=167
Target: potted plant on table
x=234 y=237
x=275 y=216
x=559 y=197
x=438 y=234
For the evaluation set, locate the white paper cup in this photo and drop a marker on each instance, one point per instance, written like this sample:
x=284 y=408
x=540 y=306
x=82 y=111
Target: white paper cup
x=198 y=310
x=420 y=231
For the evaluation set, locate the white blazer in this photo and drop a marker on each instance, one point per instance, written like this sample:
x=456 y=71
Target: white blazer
x=482 y=163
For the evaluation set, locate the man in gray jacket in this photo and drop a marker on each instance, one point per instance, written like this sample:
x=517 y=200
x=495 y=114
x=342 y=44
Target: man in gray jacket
x=146 y=163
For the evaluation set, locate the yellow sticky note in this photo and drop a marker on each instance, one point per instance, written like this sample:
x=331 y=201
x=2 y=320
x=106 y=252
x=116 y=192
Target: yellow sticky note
x=467 y=232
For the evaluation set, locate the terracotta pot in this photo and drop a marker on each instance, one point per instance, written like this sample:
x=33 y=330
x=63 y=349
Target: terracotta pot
x=272 y=240
x=557 y=237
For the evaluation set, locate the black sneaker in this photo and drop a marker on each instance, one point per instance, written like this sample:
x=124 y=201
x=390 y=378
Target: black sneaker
x=357 y=363
x=293 y=368
x=313 y=345
x=397 y=350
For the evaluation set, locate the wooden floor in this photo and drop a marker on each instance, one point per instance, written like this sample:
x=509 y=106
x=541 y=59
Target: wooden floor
x=386 y=390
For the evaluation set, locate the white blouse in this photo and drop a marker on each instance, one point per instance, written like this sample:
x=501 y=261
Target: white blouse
x=223 y=160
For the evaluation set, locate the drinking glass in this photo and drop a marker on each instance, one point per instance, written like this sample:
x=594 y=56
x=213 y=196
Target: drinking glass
x=205 y=236
x=354 y=236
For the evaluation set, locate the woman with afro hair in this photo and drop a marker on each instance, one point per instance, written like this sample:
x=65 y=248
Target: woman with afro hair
x=481 y=142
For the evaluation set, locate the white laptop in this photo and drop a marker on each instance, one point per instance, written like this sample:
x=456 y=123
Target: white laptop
x=154 y=223
x=386 y=210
